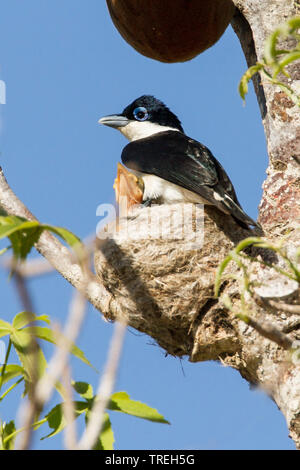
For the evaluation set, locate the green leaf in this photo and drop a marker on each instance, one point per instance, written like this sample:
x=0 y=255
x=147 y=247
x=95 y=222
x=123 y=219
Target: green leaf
x=121 y=396
x=11 y=224
x=270 y=46
x=72 y=240
x=48 y=335
x=106 y=439
x=11 y=372
x=4 y=250
x=287 y=59
x=23 y=318
x=84 y=389
x=11 y=388
x=8 y=429
x=41 y=332
x=5 y=328
x=121 y=402
x=80 y=355
x=69 y=237
x=276 y=60
x=2 y=212
x=294 y=23
x=23 y=234
x=56 y=419
x=23 y=241
x=243 y=85
x=219 y=274
x=30 y=354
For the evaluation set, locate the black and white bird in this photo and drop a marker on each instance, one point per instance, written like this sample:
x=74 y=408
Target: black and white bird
x=173 y=166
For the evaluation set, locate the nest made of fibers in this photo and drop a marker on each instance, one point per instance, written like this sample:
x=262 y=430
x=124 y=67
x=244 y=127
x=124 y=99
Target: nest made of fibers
x=160 y=264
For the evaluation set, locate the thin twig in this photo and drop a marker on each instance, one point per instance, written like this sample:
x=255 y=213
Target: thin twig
x=27 y=305
x=291 y=327
x=32 y=268
x=23 y=291
x=104 y=391
x=70 y=434
x=267 y=330
x=288 y=308
x=40 y=266
x=60 y=357
x=57 y=254
x=57 y=364
x=275 y=305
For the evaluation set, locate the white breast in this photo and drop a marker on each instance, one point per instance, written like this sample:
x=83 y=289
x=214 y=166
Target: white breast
x=169 y=193
x=139 y=130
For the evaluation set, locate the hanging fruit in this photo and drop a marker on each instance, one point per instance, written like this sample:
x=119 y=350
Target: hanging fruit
x=171 y=30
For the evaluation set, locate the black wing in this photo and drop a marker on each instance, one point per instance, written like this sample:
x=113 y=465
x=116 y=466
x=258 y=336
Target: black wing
x=181 y=160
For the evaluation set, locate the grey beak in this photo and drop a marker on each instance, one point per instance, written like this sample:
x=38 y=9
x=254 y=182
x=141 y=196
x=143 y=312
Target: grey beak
x=115 y=120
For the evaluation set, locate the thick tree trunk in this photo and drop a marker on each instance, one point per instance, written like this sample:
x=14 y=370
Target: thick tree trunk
x=280 y=204
x=253 y=22
x=165 y=287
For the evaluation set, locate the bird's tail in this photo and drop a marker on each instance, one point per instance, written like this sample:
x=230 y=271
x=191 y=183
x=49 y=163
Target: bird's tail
x=236 y=211
x=246 y=225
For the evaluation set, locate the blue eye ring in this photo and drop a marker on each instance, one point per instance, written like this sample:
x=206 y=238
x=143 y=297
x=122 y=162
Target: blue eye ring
x=140 y=114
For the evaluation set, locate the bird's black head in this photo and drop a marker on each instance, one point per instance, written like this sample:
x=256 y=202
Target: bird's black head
x=144 y=117
x=149 y=108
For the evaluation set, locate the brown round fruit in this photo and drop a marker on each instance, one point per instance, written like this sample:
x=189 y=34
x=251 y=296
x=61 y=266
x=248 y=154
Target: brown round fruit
x=171 y=30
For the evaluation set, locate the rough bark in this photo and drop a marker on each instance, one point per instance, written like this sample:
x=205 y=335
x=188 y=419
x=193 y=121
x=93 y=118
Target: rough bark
x=280 y=205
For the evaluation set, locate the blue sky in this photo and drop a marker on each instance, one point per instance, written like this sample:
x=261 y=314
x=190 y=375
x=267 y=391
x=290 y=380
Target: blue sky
x=65 y=66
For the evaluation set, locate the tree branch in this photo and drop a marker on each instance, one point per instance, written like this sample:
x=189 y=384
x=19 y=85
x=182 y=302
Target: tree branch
x=43 y=389
x=104 y=391
x=57 y=254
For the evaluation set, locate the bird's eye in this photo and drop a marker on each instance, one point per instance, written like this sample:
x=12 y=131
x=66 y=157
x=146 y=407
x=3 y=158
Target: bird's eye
x=140 y=114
